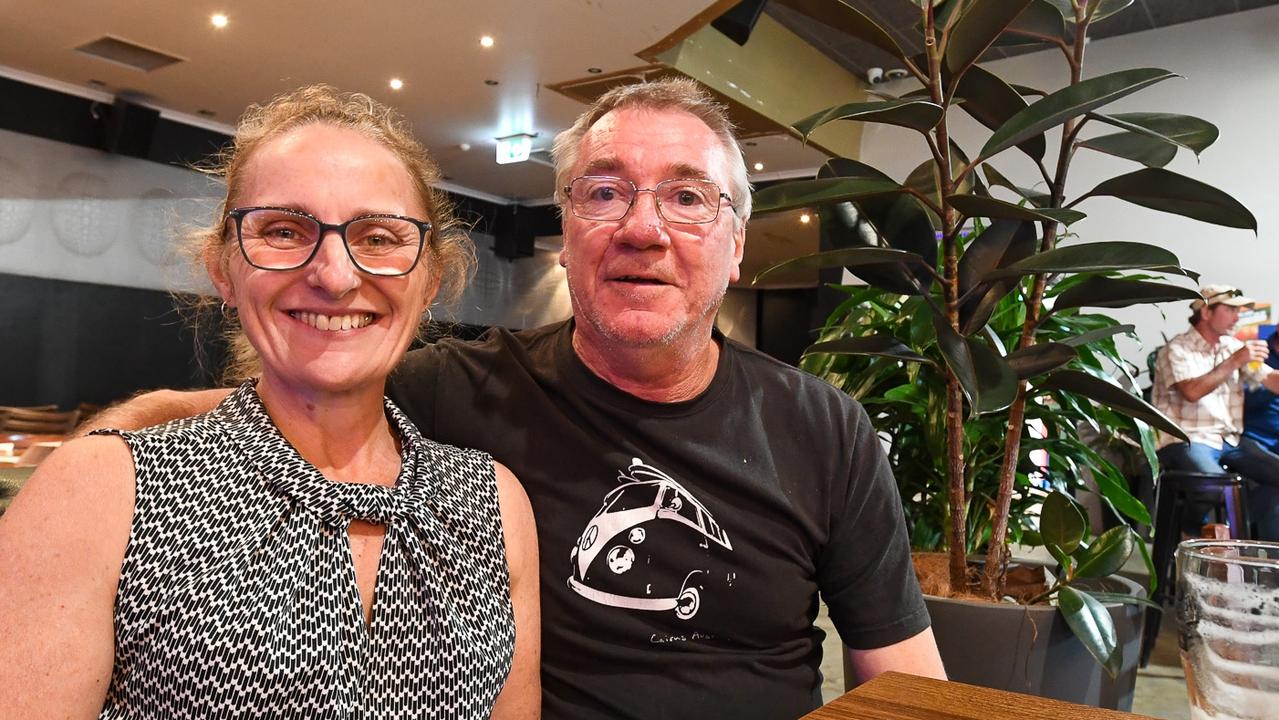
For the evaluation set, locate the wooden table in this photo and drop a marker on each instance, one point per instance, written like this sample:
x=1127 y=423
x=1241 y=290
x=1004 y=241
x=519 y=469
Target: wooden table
x=894 y=696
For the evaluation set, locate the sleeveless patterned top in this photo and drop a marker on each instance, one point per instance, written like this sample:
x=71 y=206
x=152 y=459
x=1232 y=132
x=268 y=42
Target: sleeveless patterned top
x=237 y=596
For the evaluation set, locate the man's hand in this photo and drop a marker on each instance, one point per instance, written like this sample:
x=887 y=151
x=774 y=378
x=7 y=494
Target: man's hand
x=154 y=408
x=1252 y=351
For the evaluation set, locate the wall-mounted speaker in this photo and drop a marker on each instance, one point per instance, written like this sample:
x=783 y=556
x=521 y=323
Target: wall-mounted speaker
x=739 y=21
x=514 y=232
x=128 y=129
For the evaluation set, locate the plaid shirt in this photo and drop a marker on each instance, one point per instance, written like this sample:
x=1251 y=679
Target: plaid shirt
x=1218 y=416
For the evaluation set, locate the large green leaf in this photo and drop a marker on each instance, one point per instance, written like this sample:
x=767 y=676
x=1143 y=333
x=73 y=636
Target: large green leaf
x=988 y=207
x=1121 y=498
x=1093 y=257
x=1040 y=358
x=1169 y=192
x=848 y=168
x=1038 y=23
x=1188 y=131
x=842 y=229
x=877 y=345
x=994 y=177
x=904 y=224
x=976 y=29
x=1124 y=598
x=1107 y=554
x=1152 y=139
x=1152 y=574
x=843 y=17
x=1091 y=623
x=1117 y=292
x=847 y=257
x=1000 y=244
x=924 y=178
x=1111 y=396
x=996 y=381
x=822 y=191
x=1071 y=101
x=918 y=115
x=1061 y=523
x=900 y=220
x=1143 y=149
x=1099 y=334
x=991 y=102
x=959 y=359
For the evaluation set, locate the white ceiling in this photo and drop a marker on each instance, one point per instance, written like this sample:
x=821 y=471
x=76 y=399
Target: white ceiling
x=270 y=46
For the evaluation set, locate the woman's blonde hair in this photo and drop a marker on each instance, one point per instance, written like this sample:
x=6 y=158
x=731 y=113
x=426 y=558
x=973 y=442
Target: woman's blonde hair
x=449 y=250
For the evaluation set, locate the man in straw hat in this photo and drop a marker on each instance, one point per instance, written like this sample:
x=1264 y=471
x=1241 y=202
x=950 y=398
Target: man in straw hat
x=1199 y=379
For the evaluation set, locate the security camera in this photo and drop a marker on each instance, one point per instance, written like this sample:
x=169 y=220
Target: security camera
x=875 y=75
x=896 y=74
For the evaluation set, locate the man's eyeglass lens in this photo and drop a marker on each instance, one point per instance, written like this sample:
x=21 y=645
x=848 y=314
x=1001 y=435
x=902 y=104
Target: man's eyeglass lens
x=281 y=240
x=678 y=201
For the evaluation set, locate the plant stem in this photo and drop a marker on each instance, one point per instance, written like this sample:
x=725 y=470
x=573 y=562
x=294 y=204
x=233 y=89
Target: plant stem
x=993 y=579
x=957 y=491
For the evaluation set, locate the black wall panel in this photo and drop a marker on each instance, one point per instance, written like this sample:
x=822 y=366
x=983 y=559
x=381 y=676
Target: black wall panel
x=68 y=342
x=784 y=325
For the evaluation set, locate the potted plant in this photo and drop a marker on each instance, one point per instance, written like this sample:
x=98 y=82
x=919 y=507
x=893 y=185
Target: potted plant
x=971 y=331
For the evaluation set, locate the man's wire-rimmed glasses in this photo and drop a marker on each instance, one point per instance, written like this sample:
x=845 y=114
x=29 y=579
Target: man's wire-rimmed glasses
x=688 y=201
x=273 y=238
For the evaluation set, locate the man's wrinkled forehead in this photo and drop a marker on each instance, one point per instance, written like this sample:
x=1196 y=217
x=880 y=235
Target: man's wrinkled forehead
x=694 y=150
x=611 y=165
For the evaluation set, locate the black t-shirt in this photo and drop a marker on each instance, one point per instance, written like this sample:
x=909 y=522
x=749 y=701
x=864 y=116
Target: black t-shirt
x=682 y=544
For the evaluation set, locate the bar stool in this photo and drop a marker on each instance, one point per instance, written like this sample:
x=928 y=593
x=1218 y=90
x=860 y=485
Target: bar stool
x=1178 y=492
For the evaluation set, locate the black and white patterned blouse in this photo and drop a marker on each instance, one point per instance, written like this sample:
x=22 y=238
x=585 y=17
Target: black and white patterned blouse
x=237 y=596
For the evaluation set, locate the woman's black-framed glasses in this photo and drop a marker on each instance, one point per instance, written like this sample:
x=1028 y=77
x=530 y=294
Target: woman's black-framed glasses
x=688 y=201
x=273 y=238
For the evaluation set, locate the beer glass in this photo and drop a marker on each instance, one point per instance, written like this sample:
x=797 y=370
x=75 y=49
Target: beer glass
x=1228 y=614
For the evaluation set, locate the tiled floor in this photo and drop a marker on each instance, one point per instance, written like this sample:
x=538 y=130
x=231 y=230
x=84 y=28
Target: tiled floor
x=1160 y=691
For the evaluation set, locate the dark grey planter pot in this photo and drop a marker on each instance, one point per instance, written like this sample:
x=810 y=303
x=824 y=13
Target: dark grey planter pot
x=1030 y=649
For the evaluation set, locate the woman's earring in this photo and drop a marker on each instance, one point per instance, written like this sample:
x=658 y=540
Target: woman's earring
x=228 y=312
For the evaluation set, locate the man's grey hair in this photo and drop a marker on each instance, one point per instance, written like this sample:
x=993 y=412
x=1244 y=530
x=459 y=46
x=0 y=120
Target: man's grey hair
x=670 y=94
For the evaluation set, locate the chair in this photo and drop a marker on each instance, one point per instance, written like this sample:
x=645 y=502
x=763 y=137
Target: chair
x=38 y=421
x=1177 y=492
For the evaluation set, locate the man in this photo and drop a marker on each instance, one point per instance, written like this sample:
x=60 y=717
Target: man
x=692 y=496
x=1199 y=378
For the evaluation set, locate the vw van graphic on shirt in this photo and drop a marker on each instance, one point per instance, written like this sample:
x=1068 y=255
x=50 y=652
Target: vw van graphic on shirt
x=652 y=546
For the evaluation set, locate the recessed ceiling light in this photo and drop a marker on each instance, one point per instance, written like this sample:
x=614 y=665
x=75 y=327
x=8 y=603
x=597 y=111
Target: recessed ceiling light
x=594 y=70
x=464 y=147
x=486 y=41
x=759 y=166
x=396 y=84
x=218 y=19
x=750 y=143
x=490 y=82
x=805 y=218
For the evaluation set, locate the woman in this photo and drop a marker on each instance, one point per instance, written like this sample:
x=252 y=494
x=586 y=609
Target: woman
x=301 y=551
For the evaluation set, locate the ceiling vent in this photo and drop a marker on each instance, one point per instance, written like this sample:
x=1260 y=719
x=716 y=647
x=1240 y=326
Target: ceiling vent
x=124 y=52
